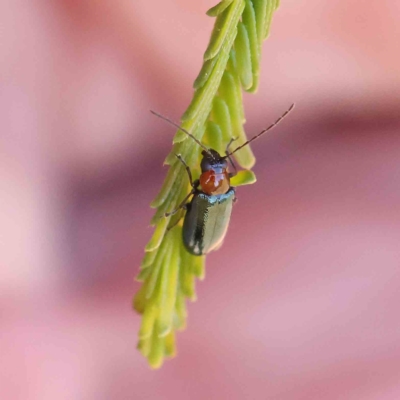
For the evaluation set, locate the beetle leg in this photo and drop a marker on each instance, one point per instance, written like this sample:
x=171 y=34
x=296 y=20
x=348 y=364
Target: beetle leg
x=179 y=157
x=192 y=184
x=229 y=144
x=181 y=205
x=195 y=184
x=176 y=222
x=231 y=174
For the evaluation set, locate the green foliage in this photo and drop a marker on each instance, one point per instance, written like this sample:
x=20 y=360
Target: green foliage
x=214 y=116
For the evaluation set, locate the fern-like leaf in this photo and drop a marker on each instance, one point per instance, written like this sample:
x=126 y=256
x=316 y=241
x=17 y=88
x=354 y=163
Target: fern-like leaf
x=214 y=116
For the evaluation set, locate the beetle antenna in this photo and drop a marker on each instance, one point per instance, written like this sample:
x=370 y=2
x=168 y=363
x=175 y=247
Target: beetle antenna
x=264 y=131
x=183 y=130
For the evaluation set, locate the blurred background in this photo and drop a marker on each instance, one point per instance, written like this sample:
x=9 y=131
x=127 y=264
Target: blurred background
x=301 y=302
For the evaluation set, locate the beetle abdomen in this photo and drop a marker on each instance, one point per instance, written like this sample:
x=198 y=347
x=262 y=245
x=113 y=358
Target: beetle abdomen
x=206 y=221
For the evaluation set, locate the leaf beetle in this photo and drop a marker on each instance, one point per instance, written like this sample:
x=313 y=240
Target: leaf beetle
x=208 y=212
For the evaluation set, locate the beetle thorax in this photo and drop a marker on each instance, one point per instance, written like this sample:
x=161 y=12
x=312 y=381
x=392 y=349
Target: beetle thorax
x=214 y=178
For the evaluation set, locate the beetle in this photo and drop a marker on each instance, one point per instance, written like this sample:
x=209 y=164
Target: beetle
x=208 y=212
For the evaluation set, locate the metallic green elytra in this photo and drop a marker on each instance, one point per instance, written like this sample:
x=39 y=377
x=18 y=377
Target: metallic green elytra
x=206 y=221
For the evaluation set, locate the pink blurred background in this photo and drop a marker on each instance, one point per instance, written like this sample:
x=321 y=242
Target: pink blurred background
x=301 y=302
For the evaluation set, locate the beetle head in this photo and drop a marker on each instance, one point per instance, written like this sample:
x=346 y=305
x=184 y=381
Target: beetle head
x=212 y=161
